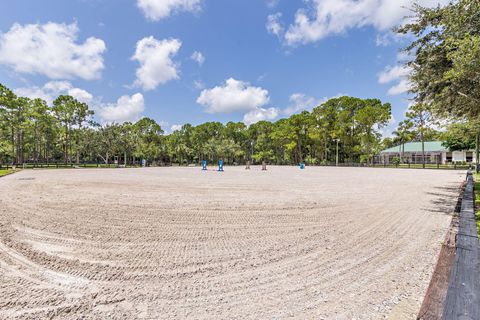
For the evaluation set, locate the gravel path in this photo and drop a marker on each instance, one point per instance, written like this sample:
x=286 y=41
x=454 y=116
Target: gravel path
x=179 y=243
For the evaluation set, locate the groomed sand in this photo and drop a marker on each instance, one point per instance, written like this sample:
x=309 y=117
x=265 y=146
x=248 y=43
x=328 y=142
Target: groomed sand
x=179 y=243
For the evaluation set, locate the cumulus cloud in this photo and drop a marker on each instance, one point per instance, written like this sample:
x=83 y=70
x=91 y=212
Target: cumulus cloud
x=51 y=50
x=198 y=84
x=300 y=102
x=260 y=114
x=274 y=26
x=393 y=73
x=388 y=130
x=156 y=10
x=156 y=64
x=398 y=74
x=127 y=108
x=326 y=17
x=198 y=57
x=272 y=3
x=175 y=127
x=232 y=96
x=403 y=86
x=51 y=90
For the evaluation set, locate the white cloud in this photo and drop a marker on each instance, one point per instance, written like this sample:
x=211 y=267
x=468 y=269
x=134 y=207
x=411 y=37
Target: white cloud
x=272 y=3
x=156 y=64
x=125 y=109
x=402 y=87
x=328 y=17
x=393 y=73
x=156 y=10
x=387 y=131
x=397 y=74
x=300 y=102
x=52 y=50
x=274 y=26
x=198 y=84
x=403 y=56
x=392 y=120
x=175 y=127
x=80 y=95
x=233 y=96
x=383 y=39
x=198 y=57
x=260 y=114
x=51 y=90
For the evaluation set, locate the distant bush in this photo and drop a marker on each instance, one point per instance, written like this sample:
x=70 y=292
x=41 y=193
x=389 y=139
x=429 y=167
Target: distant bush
x=396 y=161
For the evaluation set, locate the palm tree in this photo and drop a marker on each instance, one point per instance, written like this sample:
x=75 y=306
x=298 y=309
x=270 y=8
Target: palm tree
x=404 y=134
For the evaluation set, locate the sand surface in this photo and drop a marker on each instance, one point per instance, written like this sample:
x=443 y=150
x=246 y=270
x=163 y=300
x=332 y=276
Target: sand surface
x=179 y=243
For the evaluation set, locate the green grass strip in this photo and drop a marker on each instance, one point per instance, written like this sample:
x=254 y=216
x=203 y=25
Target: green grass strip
x=477 y=201
x=4 y=172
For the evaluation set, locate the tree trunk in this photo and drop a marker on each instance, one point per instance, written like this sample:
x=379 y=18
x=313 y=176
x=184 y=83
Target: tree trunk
x=66 y=144
x=13 y=146
x=78 y=154
x=325 y=155
x=22 y=151
x=19 y=153
x=35 y=146
x=401 y=154
x=423 y=149
x=299 y=150
x=477 y=152
x=70 y=152
x=369 y=162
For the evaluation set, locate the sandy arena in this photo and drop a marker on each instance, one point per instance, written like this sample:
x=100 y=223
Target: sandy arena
x=179 y=243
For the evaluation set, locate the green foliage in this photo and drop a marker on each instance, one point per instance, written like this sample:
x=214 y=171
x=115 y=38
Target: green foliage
x=446 y=58
x=459 y=136
x=477 y=201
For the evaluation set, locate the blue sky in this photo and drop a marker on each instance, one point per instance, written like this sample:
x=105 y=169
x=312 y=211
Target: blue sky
x=180 y=61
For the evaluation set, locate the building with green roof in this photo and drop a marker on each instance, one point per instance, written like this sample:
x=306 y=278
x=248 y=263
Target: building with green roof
x=435 y=152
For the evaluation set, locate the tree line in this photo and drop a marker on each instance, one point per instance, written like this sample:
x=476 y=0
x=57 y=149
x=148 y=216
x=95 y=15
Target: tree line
x=35 y=132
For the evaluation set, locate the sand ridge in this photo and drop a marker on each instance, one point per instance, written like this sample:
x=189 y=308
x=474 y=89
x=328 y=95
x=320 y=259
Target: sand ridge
x=179 y=243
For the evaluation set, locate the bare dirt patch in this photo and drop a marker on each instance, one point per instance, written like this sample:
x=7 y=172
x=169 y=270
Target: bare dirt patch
x=175 y=243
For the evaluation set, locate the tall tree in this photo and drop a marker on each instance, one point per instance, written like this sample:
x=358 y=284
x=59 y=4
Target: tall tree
x=70 y=113
x=422 y=120
x=404 y=134
x=446 y=60
x=372 y=116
